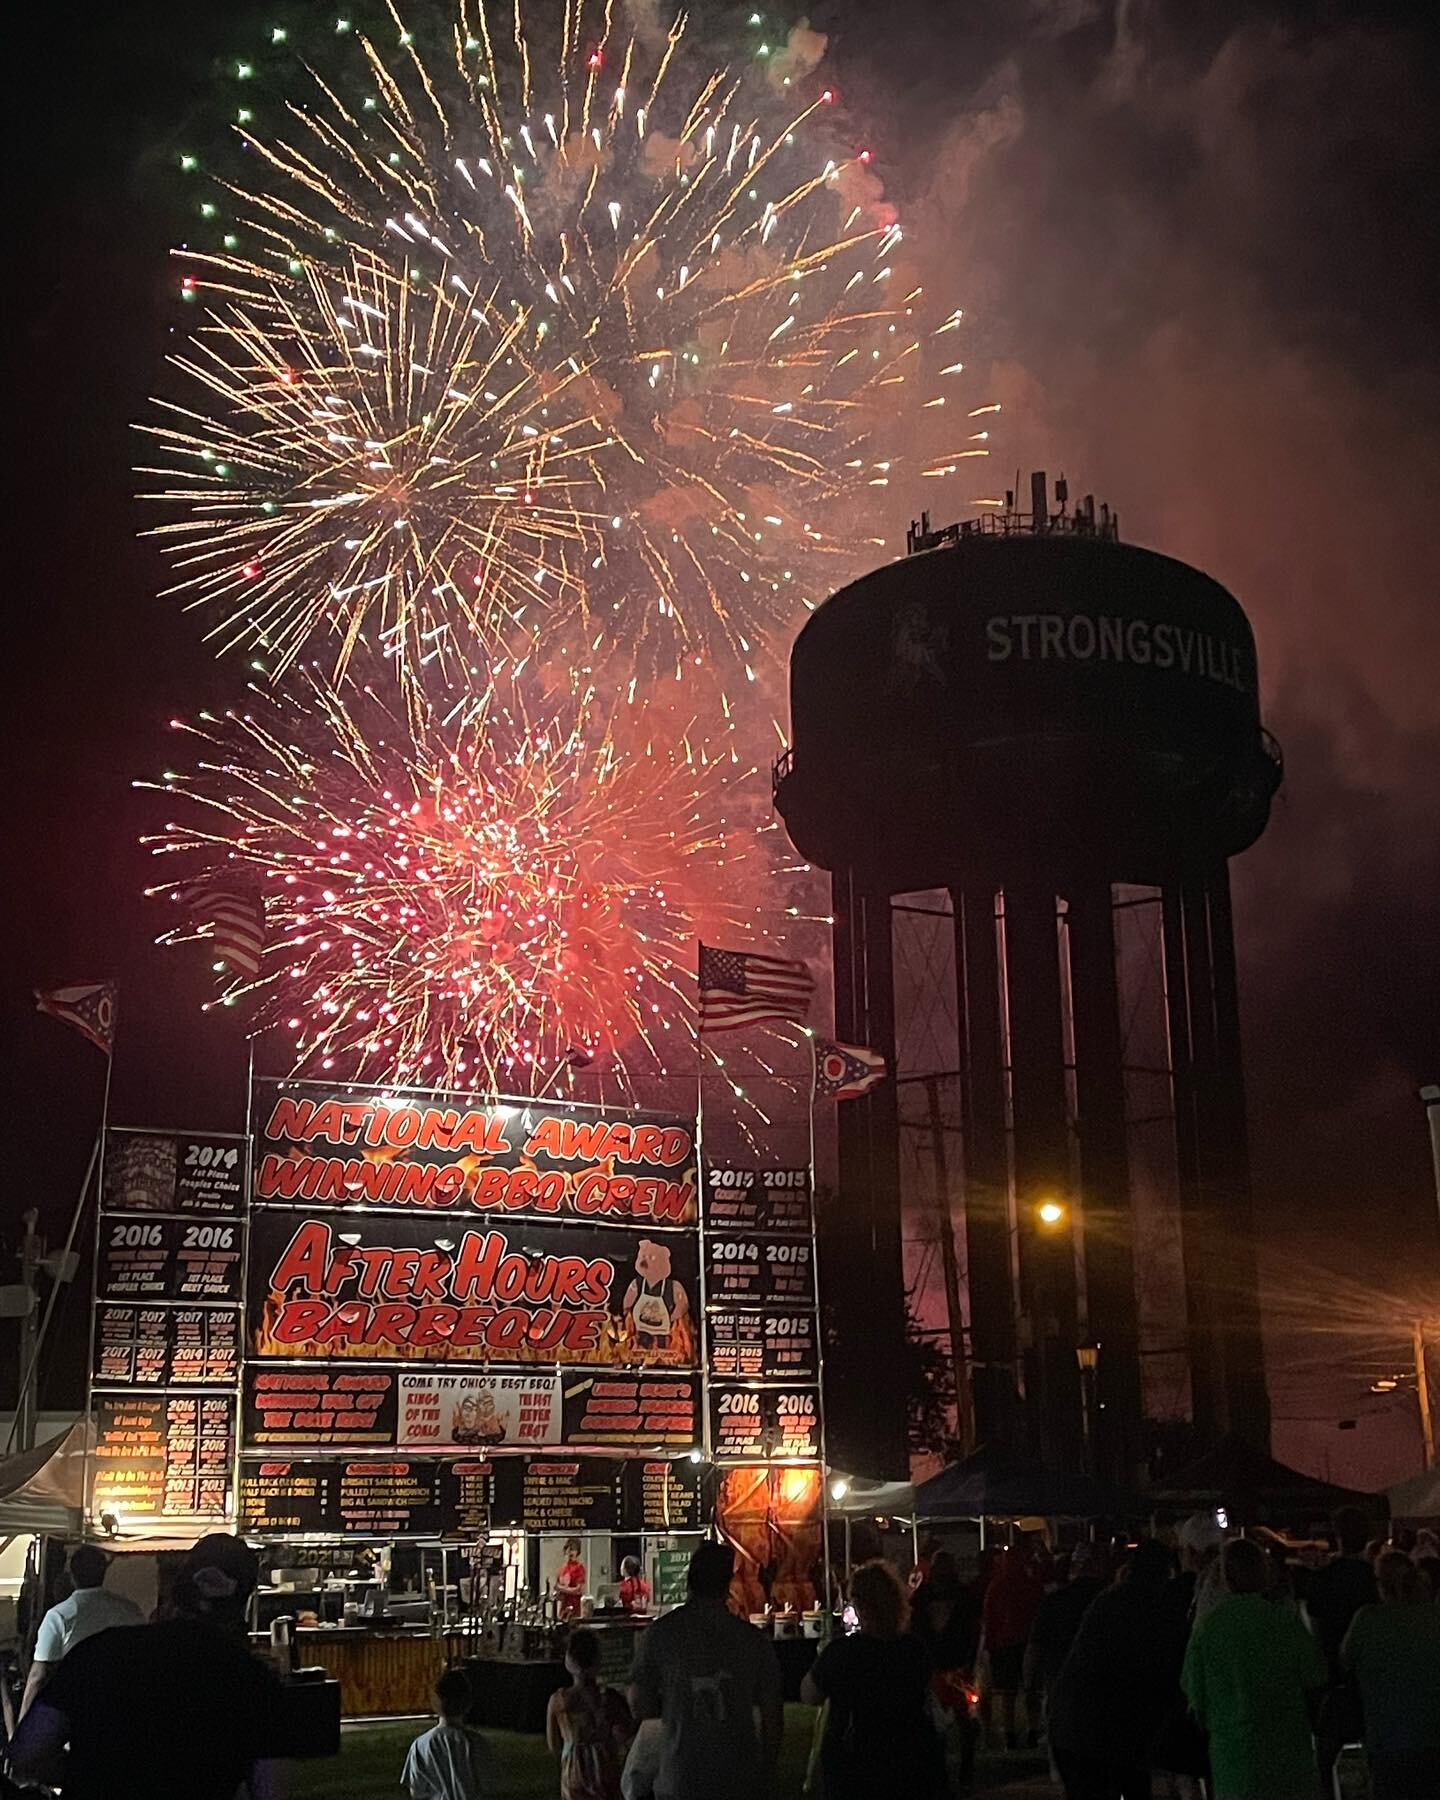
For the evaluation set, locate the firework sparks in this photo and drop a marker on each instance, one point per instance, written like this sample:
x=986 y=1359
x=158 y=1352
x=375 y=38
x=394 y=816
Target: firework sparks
x=473 y=897
x=345 y=478
x=547 y=328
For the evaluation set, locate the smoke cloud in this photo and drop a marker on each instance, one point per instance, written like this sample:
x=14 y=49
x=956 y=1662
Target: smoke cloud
x=1198 y=271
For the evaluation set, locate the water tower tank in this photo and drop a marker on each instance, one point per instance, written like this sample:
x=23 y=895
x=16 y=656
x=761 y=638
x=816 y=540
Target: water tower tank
x=1025 y=701
x=1049 y=738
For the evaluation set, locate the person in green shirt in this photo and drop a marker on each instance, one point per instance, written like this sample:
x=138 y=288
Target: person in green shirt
x=1251 y=1673
x=1393 y=1651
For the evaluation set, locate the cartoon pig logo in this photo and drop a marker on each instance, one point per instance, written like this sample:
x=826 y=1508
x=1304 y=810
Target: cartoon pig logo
x=655 y=1301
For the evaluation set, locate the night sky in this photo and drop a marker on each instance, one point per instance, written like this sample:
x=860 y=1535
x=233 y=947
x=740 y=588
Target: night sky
x=1196 y=248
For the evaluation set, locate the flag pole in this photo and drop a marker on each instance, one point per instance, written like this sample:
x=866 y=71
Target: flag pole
x=86 y=1472
x=825 y=1564
x=247 y=1163
x=29 y=1374
x=543 y=1091
x=703 y=1324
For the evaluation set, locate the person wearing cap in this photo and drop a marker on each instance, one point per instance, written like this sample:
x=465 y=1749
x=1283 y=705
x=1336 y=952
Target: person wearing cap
x=177 y=1710
x=1200 y=1539
x=90 y=1609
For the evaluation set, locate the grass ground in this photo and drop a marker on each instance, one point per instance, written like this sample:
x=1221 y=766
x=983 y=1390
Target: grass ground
x=371 y=1757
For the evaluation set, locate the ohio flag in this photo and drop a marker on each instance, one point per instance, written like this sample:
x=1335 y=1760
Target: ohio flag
x=845 y=1071
x=87 y=1005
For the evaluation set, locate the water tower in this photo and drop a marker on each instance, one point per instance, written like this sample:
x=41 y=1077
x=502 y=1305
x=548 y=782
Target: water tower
x=1041 y=728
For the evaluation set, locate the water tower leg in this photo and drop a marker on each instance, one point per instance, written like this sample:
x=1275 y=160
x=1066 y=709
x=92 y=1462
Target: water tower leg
x=1111 y=1305
x=988 y=1274
x=1247 y=1397
x=1227 y=1379
x=861 y=1255
x=1041 y=1162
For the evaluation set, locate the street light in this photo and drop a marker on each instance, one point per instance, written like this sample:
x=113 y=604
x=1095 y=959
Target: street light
x=1050 y=1213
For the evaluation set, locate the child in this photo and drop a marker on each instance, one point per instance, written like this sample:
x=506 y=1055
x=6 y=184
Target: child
x=588 y=1726
x=450 y=1762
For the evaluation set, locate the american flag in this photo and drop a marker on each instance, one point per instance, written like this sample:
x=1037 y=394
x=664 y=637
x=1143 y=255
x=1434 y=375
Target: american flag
x=231 y=917
x=738 y=989
x=87 y=1005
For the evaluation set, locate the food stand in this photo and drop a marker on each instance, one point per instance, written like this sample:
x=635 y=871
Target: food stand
x=412 y=1344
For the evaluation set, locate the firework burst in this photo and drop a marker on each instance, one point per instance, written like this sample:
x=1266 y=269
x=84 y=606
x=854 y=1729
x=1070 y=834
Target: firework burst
x=343 y=479
x=550 y=328
x=474 y=897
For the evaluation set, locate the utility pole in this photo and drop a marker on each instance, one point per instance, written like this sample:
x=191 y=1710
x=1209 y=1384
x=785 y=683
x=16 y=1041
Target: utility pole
x=1087 y=1354
x=1422 y=1393
x=32 y=1249
x=1430 y=1098
x=950 y=1268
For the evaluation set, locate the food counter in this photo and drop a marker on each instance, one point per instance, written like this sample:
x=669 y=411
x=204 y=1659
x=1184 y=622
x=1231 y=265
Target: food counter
x=386 y=1619
x=381 y=1673
x=390 y=1672
x=512 y=1691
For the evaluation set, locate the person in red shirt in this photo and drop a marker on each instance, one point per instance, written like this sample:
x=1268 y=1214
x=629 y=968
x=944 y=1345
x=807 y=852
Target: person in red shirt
x=634 y=1588
x=1011 y=1603
x=570 y=1582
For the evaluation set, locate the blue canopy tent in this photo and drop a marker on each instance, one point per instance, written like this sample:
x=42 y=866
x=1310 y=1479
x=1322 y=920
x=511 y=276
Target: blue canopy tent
x=996 y=1482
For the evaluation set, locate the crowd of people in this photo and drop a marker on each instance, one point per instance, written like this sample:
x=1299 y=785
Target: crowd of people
x=1201 y=1665
x=173 y=1709
x=1203 y=1668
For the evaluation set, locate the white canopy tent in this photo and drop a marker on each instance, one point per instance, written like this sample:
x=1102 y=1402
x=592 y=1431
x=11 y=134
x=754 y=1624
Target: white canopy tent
x=858 y=1497
x=43 y=1490
x=1417 y=1498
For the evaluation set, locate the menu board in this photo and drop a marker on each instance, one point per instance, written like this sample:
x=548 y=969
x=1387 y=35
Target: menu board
x=170 y=1172
x=580 y=1495
x=381 y=1498
x=384 y=1497
x=758 y=1269
x=446 y=1497
x=168 y=1259
x=163 y=1456
x=466 y=1490
x=747 y=1343
x=662 y=1496
x=755 y=1424
x=286 y=1408
x=166 y=1346
x=757 y=1200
